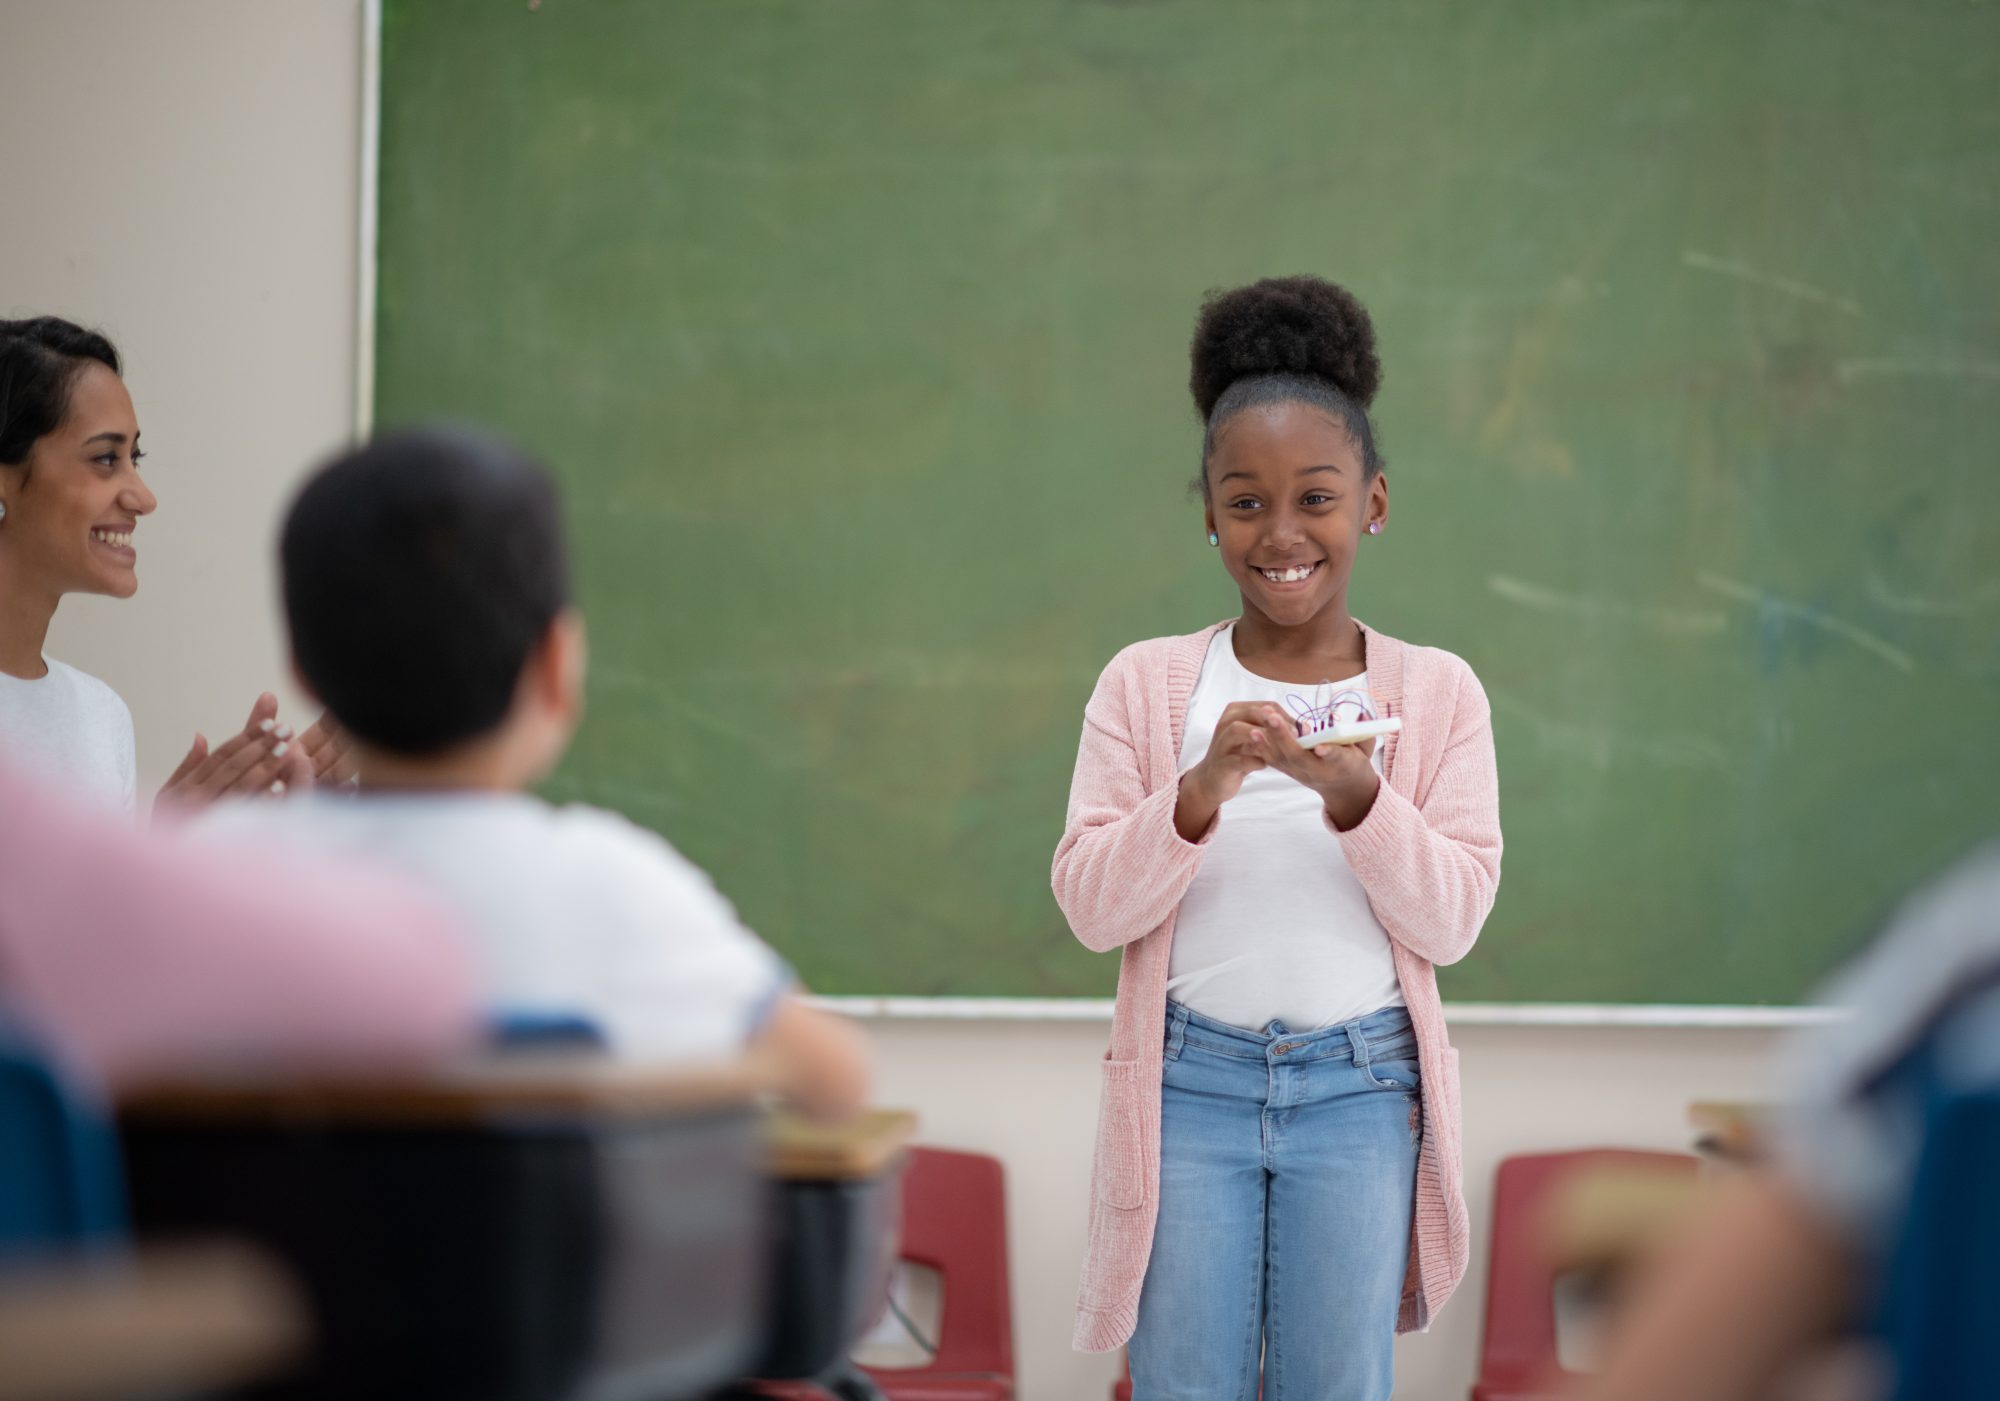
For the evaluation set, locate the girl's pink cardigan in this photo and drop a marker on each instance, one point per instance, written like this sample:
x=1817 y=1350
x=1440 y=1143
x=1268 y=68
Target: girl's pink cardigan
x=1428 y=854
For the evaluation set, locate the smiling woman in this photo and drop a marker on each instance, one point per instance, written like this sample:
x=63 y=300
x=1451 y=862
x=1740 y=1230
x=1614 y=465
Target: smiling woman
x=71 y=499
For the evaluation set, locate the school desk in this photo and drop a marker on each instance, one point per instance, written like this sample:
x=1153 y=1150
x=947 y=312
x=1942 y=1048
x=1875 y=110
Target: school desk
x=838 y=1210
x=518 y=1229
x=1729 y=1132
x=172 y=1320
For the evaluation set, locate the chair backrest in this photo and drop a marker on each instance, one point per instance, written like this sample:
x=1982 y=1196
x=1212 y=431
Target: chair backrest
x=1941 y=1291
x=523 y=1029
x=1518 y=1355
x=61 y=1185
x=955 y=1221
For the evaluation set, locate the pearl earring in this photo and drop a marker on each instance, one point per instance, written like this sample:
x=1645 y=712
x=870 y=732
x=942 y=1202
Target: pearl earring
x=1213 y=538
x=1374 y=527
x=3 y=510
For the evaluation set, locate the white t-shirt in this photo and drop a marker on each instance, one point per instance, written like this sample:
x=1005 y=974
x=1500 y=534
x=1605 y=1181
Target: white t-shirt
x=575 y=910
x=70 y=727
x=1275 y=926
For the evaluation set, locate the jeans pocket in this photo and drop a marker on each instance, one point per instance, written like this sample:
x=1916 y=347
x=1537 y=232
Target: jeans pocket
x=1121 y=1148
x=1397 y=1072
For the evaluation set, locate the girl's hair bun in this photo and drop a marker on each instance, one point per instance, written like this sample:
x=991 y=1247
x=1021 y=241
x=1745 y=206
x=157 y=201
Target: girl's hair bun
x=1288 y=326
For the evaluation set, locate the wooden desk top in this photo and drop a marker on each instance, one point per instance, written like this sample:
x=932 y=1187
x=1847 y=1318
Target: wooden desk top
x=476 y=1092
x=1732 y=1132
x=808 y=1152
x=1604 y=1219
x=159 y=1322
x=482 y=1092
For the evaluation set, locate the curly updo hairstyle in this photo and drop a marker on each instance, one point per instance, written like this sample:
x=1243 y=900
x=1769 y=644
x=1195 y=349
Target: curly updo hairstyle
x=1296 y=340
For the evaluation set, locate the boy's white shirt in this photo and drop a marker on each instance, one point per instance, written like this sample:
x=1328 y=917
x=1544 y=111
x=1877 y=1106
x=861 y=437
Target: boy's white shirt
x=574 y=910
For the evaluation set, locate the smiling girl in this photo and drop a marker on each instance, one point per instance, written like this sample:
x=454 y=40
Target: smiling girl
x=1276 y=1190
x=71 y=498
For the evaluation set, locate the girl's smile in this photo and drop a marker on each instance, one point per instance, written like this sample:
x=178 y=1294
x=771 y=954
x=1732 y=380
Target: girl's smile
x=1284 y=576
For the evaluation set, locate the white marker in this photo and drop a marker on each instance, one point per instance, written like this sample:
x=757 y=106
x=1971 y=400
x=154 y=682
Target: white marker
x=1352 y=733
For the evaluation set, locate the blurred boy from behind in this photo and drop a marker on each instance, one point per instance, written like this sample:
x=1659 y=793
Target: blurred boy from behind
x=427 y=592
x=1795 y=1255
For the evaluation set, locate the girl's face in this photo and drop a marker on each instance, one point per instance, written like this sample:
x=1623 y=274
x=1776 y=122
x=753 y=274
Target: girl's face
x=1287 y=500
x=72 y=505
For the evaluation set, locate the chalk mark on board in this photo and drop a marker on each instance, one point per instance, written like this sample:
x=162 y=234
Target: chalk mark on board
x=631 y=508
x=1791 y=286
x=1547 y=600
x=895 y=670
x=1774 y=605
x=669 y=694
x=625 y=797
x=1918 y=605
x=1935 y=366
x=757 y=744
x=1600 y=746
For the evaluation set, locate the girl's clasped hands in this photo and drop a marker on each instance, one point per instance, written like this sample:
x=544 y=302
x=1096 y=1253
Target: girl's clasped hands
x=1253 y=735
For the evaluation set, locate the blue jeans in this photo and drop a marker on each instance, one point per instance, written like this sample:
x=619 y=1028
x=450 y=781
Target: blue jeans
x=1288 y=1167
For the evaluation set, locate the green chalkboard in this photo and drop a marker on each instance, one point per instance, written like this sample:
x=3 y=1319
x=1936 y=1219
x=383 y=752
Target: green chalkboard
x=857 y=332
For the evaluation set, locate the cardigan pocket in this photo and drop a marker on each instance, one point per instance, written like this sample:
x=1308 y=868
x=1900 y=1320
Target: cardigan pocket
x=1454 y=1107
x=1122 y=1179
x=1442 y=1107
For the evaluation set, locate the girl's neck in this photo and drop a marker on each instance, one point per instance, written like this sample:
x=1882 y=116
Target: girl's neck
x=1329 y=635
x=25 y=612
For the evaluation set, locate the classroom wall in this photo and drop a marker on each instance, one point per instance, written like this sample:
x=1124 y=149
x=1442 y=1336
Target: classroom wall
x=1027 y=1092
x=185 y=175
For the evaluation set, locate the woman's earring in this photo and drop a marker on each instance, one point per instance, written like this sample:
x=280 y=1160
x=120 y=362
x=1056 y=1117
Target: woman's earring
x=1374 y=527
x=3 y=510
x=1213 y=538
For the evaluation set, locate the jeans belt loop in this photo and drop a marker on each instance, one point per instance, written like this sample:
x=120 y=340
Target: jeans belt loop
x=1360 y=1044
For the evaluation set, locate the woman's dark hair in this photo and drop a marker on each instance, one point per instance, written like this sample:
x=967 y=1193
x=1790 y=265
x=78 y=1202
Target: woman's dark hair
x=1300 y=340
x=39 y=359
x=420 y=572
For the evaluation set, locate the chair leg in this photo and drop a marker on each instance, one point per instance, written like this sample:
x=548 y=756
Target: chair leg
x=850 y=1383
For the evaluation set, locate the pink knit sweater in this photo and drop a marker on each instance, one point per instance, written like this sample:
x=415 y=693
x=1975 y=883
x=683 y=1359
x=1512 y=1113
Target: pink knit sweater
x=1428 y=854
x=141 y=953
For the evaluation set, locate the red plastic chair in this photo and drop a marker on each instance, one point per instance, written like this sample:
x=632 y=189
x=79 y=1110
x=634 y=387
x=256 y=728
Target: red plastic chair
x=1517 y=1358
x=954 y=1221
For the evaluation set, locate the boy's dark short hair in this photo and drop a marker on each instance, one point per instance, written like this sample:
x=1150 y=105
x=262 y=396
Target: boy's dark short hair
x=419 y=573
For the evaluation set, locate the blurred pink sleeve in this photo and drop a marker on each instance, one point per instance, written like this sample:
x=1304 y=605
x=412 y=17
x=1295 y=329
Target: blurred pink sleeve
x=140 y=952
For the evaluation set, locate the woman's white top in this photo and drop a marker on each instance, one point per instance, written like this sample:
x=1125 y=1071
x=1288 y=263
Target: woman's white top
x=1275 y=926
x=70 y=727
